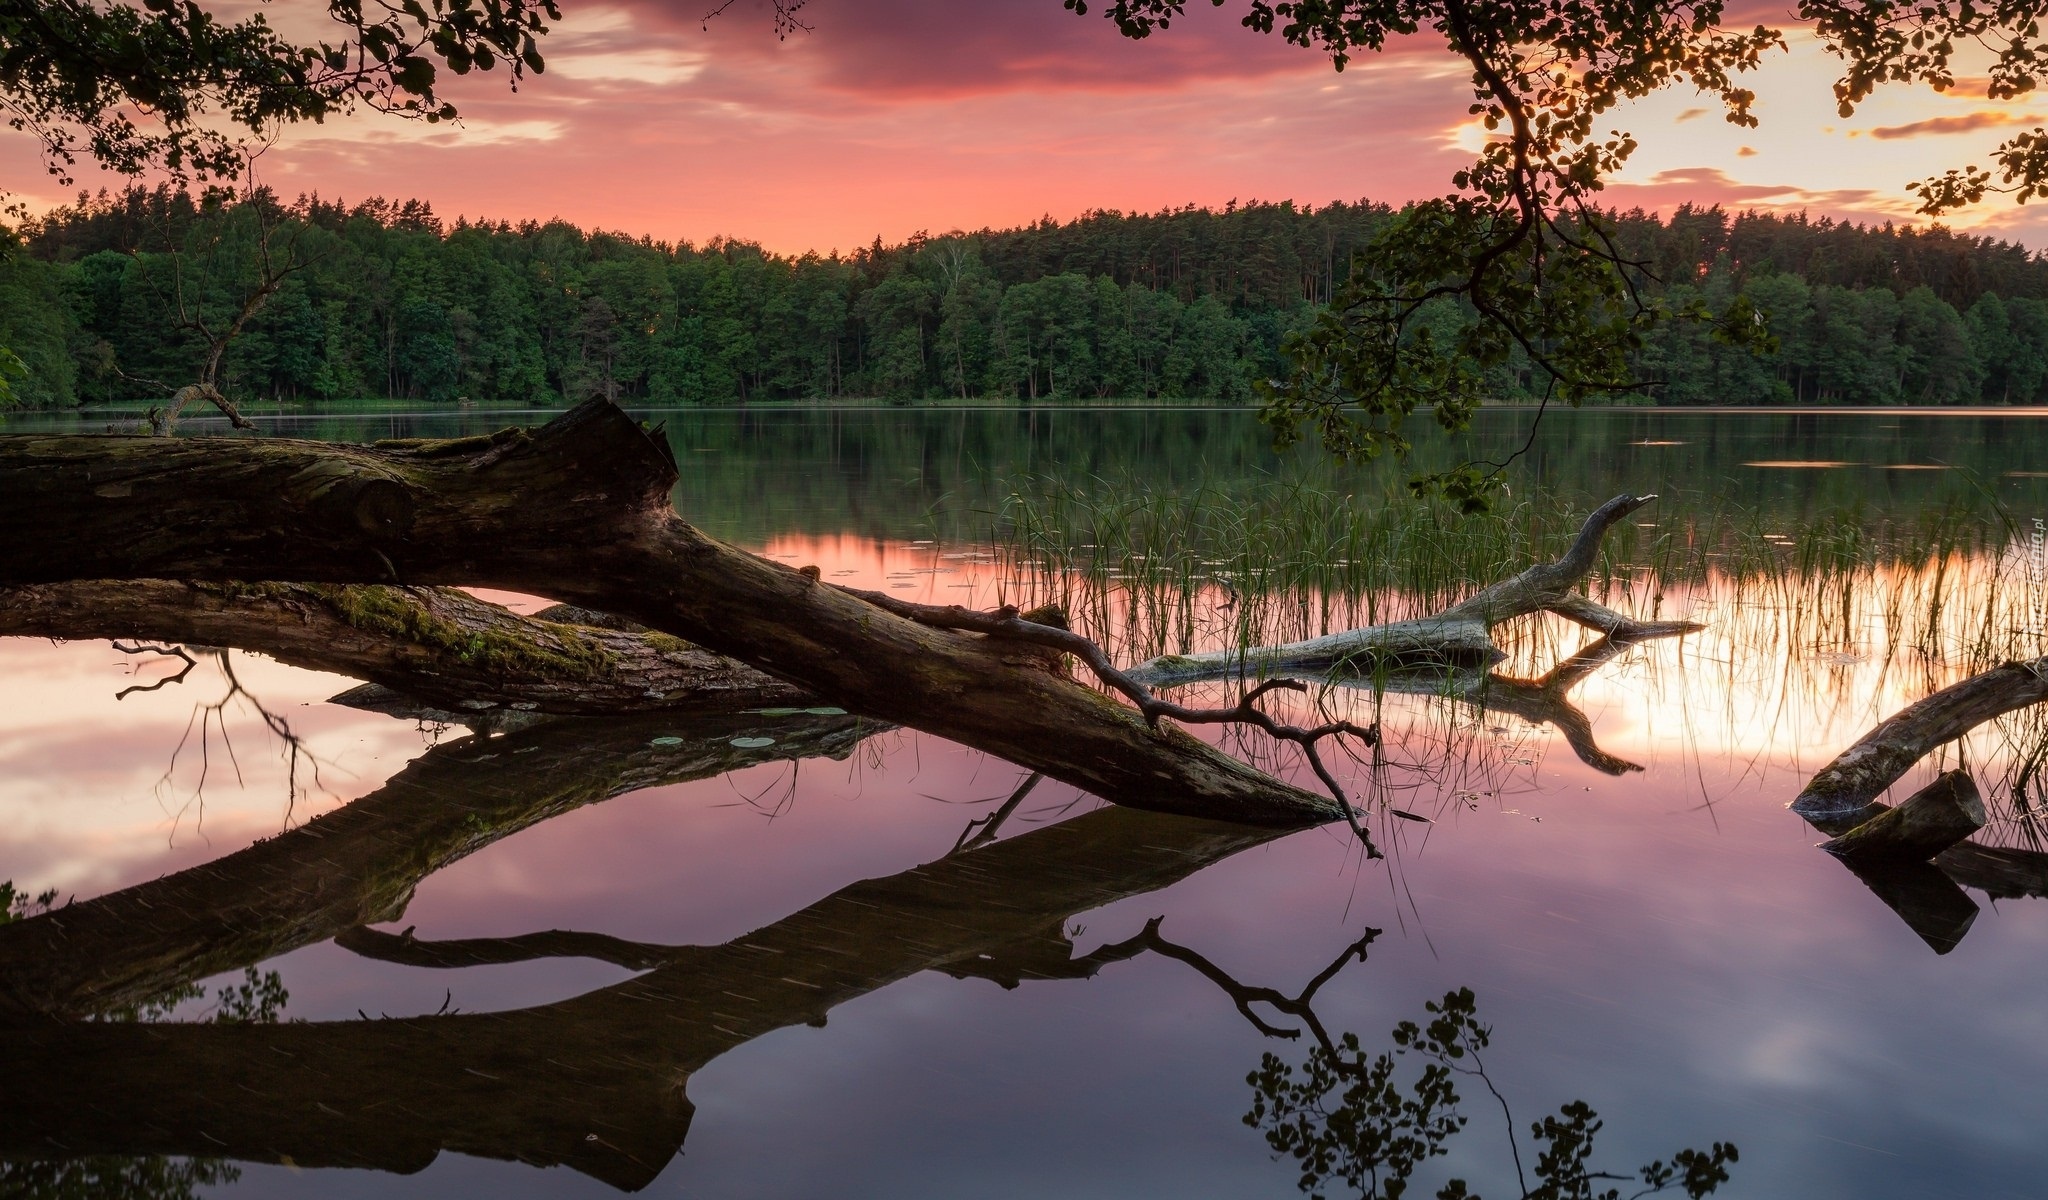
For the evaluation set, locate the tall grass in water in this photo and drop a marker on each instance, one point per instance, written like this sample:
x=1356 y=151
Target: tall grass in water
x=1288 y=557
x=1816 y=629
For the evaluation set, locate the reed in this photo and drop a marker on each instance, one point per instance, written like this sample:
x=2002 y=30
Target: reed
x=1814 y=627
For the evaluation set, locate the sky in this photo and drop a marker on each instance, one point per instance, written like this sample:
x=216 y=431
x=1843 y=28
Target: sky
x=892 y=116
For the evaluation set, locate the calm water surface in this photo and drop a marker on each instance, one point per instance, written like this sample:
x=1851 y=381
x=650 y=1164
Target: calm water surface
x=795 y=990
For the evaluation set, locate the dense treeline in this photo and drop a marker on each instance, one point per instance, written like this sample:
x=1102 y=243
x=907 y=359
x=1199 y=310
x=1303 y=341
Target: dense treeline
x=118 y=298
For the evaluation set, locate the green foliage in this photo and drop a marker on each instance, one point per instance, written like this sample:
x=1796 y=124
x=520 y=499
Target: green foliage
x=1532 y=265
x=1181 y=305
x=1348 y=1119
x=77 y=77
x=1544 y=285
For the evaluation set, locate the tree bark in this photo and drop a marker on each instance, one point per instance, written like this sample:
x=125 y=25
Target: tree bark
x=437 y=645
x=1929 y=822
x=597 y=1082
x=579 y=510
x=1461 y=635
x=360 y=864
x=1861 y=773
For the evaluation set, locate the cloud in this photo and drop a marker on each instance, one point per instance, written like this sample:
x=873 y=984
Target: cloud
x=928 y=49
x=1935 y=126
x=1711 y=185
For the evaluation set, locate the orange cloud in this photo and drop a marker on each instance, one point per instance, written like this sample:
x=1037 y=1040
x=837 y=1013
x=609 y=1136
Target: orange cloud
x=1935 y=126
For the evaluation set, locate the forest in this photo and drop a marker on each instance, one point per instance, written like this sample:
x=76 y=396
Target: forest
x=119 y=298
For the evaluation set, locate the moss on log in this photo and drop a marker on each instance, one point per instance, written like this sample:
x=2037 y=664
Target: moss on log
x=1929 y=822
x=579 y=510
x=437 y=645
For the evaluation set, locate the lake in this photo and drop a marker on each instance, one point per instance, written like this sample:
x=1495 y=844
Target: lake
x=774 y=954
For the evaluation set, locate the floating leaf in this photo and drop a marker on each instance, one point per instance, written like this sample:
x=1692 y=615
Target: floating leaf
x=777 y=712
x=753 y=743
x=666 y=741
x=826 y=711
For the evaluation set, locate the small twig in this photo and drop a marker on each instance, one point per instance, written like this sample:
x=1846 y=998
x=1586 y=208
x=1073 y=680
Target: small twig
x=970 y=840
x=1243 y=996
x=167 y=652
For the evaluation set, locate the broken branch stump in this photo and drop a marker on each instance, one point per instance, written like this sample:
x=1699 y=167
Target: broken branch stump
x=1929 y=822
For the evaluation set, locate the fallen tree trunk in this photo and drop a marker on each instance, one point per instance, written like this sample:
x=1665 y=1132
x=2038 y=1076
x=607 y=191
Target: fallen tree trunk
x=360 y=863
x=579 y=510
x=437 y=645
x=1861 y=773
x=1461 y=634
x=1929 y=822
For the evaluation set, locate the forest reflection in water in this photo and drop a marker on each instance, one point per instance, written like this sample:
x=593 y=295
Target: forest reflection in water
x=1710 y=733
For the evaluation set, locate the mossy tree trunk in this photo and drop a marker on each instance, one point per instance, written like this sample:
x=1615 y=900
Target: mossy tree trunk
x=439 y=646
x=579 y=510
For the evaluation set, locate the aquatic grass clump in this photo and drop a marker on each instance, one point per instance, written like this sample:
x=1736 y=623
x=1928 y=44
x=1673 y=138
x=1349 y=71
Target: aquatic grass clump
x=1271 y=559
x=1279 y=558
x=1816 y=629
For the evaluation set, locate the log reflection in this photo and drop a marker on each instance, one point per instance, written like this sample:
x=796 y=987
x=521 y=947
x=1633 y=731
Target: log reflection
x=1545 y=700
x=360 y=863
x=1929 y=896
x=595 y=1082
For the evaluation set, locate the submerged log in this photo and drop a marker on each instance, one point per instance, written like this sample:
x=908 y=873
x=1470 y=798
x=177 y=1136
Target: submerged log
x=595 y=1083
x=579 y=510
x=360 y=863
x=1929 y=822
x=1460 y=635
x=437 y=645
x=1861 y=773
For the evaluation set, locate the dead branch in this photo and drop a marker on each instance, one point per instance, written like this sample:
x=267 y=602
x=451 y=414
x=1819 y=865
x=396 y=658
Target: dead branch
x=166 y=651
x=1861 y=773
x=1930 y=821
x=1009 y=623
x=1460 y=634
x=1545 y=700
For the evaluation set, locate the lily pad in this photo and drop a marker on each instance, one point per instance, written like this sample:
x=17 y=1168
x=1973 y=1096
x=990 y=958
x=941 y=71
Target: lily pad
x=666 y=741
x=753 y=743
x=826 y=711
x=776 y=712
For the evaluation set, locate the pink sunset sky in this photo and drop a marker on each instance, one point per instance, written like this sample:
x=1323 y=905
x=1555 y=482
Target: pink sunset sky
x=892 y=116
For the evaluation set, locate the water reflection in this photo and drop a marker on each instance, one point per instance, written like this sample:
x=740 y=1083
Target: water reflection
x=361 y=863
x=1667 y=943
x=595 y=1082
